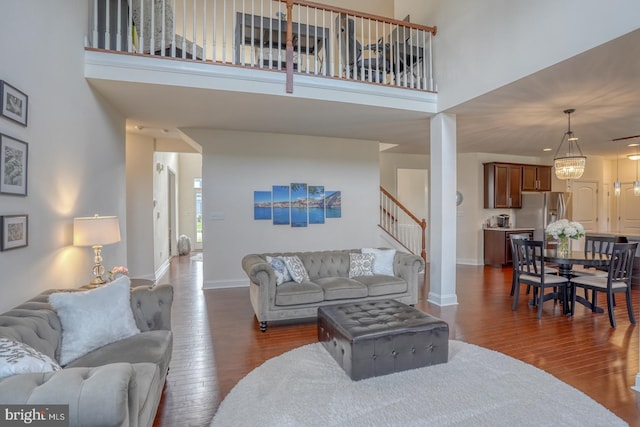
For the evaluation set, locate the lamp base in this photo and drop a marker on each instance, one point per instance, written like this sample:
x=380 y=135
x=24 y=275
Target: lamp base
x=97 y=281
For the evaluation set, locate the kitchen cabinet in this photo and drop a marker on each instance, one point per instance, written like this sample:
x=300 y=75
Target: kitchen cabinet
x=497 y=244
x=536 y=178
x=502 y=185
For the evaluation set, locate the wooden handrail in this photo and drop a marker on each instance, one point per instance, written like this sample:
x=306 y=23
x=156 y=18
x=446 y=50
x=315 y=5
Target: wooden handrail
x=433 y=30
x=421 y=222
x=400 y=205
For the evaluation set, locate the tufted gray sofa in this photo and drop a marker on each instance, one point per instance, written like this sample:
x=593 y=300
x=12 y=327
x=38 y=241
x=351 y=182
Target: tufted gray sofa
x=329 y=284
x=119 y=384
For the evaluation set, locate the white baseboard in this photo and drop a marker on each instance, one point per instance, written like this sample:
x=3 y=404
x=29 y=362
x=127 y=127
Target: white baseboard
x=469 y=261
x=222 y=284
x=637 y=386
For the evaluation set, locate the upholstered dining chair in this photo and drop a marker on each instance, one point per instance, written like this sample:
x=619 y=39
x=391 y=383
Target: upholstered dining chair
x=618 y=279
x=528 y=258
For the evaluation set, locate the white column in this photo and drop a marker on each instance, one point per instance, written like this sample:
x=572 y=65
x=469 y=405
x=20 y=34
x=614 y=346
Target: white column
x=442 y=279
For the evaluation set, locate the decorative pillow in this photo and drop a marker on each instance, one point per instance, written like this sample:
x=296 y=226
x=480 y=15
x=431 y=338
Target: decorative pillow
x=280 y=268
x=19 y=358
x=383 y=263
x=296 y=268
x=94 y=318
x=361 y=264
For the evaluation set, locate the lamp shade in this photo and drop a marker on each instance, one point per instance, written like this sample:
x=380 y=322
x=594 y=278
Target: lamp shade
x=96 y=230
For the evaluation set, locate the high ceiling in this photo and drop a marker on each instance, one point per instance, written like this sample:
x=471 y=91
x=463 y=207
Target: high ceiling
x=521 y=118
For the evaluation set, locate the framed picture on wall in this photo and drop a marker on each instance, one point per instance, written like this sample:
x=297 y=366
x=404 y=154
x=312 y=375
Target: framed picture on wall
x=14 y=232
x=13 y=166
x=14 y=103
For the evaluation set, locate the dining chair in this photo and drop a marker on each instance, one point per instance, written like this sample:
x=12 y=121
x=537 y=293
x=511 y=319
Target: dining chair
x=528 y=258
x=618 y=280
x=595 y=246
x=548 y=269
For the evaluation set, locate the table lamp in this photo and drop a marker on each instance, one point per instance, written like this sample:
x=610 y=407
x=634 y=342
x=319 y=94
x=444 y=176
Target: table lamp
x=96 y=231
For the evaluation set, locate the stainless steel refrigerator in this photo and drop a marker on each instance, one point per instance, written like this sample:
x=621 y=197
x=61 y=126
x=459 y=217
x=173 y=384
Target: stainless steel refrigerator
x=540 y=209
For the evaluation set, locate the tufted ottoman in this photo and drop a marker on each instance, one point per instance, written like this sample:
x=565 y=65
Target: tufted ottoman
x=381 y=337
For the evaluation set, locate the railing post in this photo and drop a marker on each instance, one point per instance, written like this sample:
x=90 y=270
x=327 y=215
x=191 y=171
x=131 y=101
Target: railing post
x=289 y=54
x=423 y=252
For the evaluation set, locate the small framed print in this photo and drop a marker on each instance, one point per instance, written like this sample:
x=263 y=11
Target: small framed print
x=13 y=166
x=14 y=232
x=15 y=104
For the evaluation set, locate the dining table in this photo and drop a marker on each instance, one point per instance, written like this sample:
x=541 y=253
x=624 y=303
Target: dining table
x=565 y=264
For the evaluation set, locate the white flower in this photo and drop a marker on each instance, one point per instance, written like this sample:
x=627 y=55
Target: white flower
x=565 y=228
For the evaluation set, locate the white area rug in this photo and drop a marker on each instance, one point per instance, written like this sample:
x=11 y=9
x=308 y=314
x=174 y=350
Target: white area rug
x=477 y=387
x=197 y=257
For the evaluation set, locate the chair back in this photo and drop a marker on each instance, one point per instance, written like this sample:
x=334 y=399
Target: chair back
x=529 y=256
x=598 y=245
x=621 y=266
x=350 y=49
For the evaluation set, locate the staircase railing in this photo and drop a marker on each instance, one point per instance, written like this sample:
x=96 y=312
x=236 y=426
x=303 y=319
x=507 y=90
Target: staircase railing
x=402 y=225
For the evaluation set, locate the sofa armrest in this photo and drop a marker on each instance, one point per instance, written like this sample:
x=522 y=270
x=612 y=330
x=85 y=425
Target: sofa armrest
x=152 y=307
x=258 y=270
x=405 y=265
x=103 y=396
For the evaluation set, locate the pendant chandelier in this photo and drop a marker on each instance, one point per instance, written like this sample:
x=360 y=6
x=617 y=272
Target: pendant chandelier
x=571 y=165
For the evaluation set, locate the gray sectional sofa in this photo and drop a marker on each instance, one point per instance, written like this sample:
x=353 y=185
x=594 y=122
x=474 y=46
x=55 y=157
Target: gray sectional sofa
x=328 y=283
x=119 y=384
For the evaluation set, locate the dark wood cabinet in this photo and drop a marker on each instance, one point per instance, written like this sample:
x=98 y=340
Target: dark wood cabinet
x=502 y=185
x=497 y=245
x=536 y=178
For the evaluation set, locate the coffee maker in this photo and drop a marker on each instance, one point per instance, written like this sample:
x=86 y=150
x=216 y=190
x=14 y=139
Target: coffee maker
x=503 y=220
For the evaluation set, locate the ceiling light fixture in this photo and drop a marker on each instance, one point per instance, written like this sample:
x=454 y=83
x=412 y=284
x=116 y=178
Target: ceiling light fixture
x=571 y=165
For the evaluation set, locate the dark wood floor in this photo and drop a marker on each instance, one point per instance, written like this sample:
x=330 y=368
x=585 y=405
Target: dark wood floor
x=217 y=341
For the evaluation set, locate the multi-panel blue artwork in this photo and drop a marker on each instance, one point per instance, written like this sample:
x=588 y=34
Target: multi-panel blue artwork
x=297 y=204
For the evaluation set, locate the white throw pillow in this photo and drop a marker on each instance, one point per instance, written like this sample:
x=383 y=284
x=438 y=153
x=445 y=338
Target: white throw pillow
x=94 y=318
x=360 y=264
x=19 y=358
x=296 y=268
x=280 y=269
x=383 y=264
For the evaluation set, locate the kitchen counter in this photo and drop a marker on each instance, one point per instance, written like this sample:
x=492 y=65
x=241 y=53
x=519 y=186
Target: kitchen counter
x=497 y=244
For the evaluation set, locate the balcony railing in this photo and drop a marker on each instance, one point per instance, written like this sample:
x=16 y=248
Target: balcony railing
x=288 y=36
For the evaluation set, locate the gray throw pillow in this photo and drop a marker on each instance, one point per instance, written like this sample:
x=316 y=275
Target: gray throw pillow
x=280 y=269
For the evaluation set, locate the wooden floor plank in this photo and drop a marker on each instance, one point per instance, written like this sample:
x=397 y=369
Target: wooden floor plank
x=218 y=341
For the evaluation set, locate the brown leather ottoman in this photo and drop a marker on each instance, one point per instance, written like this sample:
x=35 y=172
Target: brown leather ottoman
x=381 y=337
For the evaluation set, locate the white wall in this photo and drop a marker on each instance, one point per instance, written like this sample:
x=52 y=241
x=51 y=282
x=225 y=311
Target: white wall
x=140 y=170
x=76 y=149
x=235 y=164
x=476 y=39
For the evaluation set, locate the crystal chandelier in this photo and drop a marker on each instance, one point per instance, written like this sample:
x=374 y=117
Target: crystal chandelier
x=571 y=165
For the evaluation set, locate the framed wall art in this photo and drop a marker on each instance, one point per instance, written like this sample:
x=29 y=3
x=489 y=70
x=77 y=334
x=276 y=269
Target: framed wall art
x=15 y=103
x=13 y=166
x=14 y=232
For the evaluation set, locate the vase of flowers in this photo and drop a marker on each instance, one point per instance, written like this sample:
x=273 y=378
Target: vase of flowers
x=563 y=230
x=117 y=271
